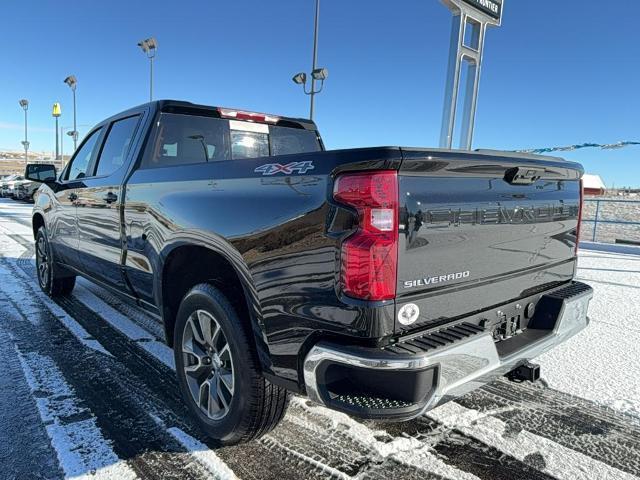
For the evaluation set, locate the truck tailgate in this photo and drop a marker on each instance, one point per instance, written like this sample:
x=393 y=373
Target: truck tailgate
x=478 y=229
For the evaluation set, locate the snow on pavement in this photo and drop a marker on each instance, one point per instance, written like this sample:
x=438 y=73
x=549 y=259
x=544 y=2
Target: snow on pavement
x=204 y=455
x=18 y=294
x=75 y=436
x=404 y=449
x=602 y=363
x=559 y=461
x=146 y=340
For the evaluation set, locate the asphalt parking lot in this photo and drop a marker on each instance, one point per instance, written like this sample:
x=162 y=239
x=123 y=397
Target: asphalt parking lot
x=87 y=390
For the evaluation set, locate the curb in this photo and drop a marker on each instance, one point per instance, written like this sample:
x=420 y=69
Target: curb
x=610 y=247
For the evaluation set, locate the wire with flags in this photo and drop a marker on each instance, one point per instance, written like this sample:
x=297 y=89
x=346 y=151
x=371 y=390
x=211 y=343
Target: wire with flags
x=568 y=148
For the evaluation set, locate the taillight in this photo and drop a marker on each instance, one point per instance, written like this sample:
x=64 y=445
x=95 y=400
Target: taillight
x=369 y=257
x=579 y=216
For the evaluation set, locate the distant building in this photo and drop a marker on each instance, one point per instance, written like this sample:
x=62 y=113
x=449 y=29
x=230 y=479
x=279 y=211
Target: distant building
x=593 y=185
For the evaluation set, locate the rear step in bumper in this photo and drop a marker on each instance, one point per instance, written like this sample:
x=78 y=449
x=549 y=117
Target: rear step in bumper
x=403 y=386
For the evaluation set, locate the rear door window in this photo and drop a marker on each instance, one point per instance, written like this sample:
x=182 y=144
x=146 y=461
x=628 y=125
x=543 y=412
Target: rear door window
x=116 y=146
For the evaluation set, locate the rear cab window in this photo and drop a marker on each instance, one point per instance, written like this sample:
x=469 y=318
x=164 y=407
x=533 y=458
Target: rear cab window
x=249 y=140
x=182 y=139
x=186 y=139
x=287 y=140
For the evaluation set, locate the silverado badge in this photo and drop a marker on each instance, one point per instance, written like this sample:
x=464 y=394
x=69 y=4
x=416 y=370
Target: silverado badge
x=423 y=282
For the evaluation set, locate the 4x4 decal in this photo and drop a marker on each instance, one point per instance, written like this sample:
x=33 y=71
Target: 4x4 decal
x=288 y=169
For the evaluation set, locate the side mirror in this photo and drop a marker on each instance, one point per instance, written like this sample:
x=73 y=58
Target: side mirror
x=41 y=172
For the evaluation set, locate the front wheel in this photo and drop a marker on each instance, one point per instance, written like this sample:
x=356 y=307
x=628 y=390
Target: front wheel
x=49 y=282
x=218 y=371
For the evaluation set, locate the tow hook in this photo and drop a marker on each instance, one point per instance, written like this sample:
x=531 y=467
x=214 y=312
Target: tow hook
x=529 y=372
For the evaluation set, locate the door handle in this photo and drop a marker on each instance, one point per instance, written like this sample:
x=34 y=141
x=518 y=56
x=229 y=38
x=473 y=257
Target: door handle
x=110 y=197
x=72 y=196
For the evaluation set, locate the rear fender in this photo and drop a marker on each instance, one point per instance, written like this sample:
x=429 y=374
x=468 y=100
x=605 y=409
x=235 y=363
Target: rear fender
x=223 y=248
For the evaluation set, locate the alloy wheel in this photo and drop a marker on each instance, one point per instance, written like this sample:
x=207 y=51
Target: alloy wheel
x=208 y=364
x=42 y=261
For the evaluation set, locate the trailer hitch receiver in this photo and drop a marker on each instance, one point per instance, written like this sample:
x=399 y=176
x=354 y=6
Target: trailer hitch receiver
x=528 y=372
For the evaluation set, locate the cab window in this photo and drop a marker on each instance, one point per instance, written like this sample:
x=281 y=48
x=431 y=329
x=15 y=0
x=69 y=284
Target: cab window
x=249 y=140
x=185 y=139
x=116 y=146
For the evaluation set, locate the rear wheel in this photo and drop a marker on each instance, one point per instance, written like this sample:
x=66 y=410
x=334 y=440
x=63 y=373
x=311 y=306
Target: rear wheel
x=218 y=370
x=49 y=282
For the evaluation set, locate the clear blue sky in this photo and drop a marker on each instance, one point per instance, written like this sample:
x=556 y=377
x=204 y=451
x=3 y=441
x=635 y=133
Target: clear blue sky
x=555 y=73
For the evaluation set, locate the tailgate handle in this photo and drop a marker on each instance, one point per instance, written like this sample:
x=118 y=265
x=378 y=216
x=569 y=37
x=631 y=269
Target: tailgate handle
x=522 y=175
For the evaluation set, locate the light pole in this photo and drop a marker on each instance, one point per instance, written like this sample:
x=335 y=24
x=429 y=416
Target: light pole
x=149 y=46
x=56 y=112
x=73 y=82
x=317 y=74
x=62 y=129
x=315 y=56
x=70 y=133
x=70 y=130
x=24 y=103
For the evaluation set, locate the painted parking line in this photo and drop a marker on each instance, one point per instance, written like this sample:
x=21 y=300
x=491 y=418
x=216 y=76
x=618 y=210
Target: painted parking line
x=16 y=292
x=130 y=329
x=205 y=456
x=81 y=449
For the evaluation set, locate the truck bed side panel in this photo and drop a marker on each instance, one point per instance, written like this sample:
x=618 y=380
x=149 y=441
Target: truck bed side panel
x=275 y=224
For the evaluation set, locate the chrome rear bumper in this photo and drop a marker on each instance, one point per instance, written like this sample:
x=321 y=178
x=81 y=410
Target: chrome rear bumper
x=457 y=369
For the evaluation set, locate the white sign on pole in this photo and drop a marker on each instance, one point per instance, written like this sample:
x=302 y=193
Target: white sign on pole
x=470 y=21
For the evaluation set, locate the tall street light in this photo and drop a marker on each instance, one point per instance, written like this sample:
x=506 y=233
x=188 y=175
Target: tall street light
x=56 y=112
x=149 y=46
x=73 y=82
x=315 y=56
x=69 y=131
x=317 y=74
x=24 y=103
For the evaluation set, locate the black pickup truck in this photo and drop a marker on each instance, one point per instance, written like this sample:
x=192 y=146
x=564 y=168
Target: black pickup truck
x=380 y=282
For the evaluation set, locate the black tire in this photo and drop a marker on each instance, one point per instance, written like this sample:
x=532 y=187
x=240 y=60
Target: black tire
x=256 y=406
x=50 y=283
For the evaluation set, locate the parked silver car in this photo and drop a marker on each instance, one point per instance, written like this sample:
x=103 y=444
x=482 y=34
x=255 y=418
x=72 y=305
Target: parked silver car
x=7 y=188
x=26 y=189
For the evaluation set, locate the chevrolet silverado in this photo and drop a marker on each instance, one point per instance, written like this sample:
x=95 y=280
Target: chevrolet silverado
x=379 y=282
